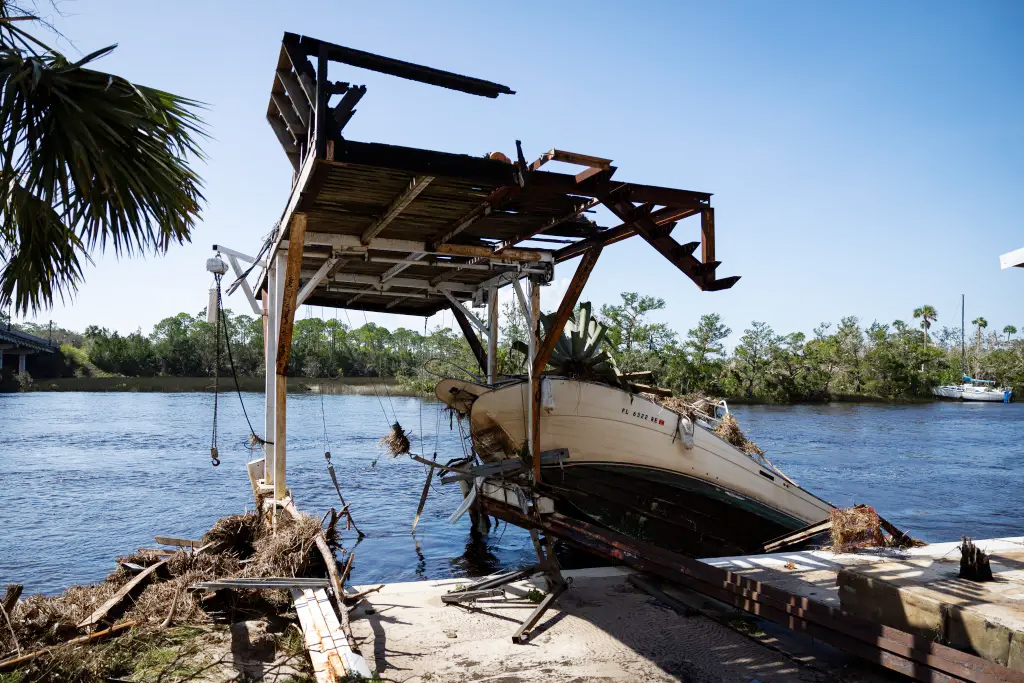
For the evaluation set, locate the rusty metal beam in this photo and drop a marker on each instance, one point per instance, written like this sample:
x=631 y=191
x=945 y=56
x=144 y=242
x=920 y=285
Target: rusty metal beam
x=918 y=657
x=662 y=218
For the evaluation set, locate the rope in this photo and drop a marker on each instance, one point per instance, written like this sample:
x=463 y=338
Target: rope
x=222 y=323
x=372 y=384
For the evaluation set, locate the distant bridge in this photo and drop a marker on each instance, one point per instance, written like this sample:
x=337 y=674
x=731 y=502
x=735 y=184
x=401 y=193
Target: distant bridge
x=21 y=344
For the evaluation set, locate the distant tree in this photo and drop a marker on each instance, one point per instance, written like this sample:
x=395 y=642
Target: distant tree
x=927 y=314
x=90 y=161
x=982 y=324
x=637 y=343
x=1010 y=330
x=703 y=351
x=753 y=356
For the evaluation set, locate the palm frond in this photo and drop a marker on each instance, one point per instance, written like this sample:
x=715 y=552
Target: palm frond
x=111 y=159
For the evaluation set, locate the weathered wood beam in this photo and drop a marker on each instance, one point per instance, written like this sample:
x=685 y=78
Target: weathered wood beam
x=285 y=138
x=570 y=158
x=303 y=71
x=496 y=198
x=290 y=116
x=346 y=108
x=474 y=341
x=399 y=267
x=289 y=304
x=296 y=95
x=352 y=243
x=322 y=96
x=396 y=67
x=425 y=162
x=397 y=206
x=707 y=235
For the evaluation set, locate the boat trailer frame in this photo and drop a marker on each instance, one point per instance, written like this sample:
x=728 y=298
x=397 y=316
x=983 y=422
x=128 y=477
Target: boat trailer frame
x=912 y=655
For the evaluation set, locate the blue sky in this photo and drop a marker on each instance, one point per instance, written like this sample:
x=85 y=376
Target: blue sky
x=866 y=158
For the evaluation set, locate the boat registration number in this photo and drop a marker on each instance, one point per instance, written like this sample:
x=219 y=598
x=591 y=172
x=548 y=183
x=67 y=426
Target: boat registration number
x=643 y=416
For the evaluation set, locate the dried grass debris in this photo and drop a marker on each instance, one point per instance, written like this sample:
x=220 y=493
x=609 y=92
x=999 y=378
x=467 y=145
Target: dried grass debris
x=729 y=430
x=856 y=527
x=396 y=442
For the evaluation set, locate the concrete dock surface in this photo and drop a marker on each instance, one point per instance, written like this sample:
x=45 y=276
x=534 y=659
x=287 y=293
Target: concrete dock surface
x=603 y=628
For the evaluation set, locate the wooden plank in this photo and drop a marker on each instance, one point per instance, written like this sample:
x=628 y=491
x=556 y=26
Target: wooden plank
x=707 y=235
x=181 y=542
x=282 y=583
x=397 y=206
x=397 y=67
x=101 y=612
x=326 y=642
x=329 y=561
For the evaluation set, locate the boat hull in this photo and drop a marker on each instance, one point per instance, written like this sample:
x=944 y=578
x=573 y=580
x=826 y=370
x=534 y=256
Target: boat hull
x=985 y=395
x=645 y=471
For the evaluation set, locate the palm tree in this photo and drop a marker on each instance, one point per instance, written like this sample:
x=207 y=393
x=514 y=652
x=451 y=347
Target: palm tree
x=927 y=314
x=89 y=161
x=981 y=323
x=1009 y=330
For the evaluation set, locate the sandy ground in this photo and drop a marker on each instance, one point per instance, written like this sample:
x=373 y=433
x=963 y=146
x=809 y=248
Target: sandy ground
x=604 y=629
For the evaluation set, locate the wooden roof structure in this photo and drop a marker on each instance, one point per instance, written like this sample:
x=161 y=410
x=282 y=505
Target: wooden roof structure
x=413 y=231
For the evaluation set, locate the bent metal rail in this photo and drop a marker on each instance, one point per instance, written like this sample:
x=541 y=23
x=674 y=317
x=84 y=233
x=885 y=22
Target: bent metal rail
x=914 y=656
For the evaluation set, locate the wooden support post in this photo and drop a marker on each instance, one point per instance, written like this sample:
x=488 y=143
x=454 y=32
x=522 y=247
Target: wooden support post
x=707 y=235
x=322 y=95
x=547 y=346
x=492 y=335
x=288 y=304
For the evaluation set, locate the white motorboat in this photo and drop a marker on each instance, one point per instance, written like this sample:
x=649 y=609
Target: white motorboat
x=639 y=468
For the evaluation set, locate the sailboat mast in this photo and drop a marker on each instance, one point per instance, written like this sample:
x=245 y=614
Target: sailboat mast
x=963 y=343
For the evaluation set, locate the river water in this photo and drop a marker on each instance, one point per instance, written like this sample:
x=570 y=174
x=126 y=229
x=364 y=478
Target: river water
x=89 y=476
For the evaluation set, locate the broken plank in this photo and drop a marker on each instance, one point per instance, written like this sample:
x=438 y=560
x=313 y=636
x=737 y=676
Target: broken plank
x=283 y=583
x=326 y=642
x=180 y=542
x=116 y=598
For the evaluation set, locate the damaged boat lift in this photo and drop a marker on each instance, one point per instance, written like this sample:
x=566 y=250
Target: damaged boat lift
x=384 y=228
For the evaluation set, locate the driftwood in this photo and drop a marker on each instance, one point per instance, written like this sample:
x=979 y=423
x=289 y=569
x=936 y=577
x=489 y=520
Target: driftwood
x=974 y=563
x=180 y=542
x=116 y=598
x=348 y=567
x=174 y=606
x=7 y=606
x=11 y=597
x=362 y=594
x=14 y=662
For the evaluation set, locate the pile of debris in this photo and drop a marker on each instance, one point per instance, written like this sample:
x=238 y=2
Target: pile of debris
x=697 y=407
x=151 y=593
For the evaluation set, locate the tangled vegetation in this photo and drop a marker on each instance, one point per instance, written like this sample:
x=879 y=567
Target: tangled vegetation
x=176 y=631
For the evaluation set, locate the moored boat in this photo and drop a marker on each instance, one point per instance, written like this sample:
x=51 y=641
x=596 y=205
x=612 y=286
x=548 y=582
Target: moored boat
x=639 y=468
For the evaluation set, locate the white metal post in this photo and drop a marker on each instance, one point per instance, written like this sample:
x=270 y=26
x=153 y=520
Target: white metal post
x=21 y=362
x=274 y=289
x=279 y=382
x=492 y=335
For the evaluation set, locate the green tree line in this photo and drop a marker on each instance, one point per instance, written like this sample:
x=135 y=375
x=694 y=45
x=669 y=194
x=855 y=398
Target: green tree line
x=896 y=360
